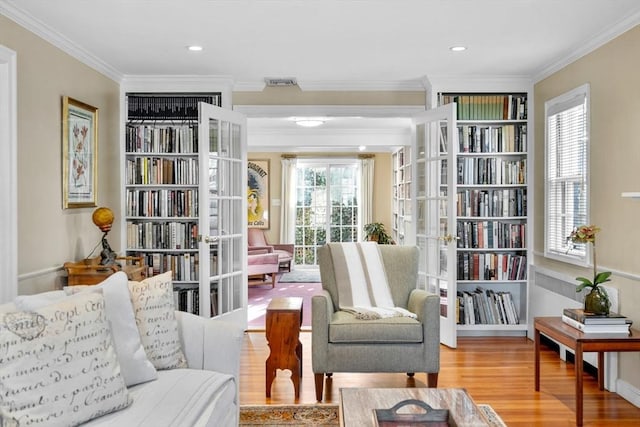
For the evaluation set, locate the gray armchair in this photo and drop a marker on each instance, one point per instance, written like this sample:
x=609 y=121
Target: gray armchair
x=342 y=343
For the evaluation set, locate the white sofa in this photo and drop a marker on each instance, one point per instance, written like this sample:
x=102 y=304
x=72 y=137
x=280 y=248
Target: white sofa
x=212 y=348
x=199 y=387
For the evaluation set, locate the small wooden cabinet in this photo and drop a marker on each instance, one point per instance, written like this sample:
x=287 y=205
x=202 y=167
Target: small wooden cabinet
x=91 y=272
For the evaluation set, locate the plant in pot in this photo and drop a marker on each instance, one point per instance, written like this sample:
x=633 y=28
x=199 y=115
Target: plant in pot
x=376 y=232
x=597 y=300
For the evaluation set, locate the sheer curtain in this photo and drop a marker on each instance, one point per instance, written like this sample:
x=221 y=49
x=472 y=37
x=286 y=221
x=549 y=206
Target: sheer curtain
x=366 y=190
x=288 y=196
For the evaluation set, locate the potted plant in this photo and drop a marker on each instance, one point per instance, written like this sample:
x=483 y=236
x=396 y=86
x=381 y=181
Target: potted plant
x=375 y=232
x=597 y=300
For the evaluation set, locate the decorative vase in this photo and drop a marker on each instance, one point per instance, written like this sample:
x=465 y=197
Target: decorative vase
x=597 y=301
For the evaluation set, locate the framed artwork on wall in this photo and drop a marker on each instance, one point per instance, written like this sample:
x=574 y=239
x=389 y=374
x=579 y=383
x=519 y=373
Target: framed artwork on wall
x=79 y=154
x=258 y=194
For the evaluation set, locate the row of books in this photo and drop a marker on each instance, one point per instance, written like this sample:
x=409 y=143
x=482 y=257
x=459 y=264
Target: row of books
x=491 y=266
x=486 y=307
x=492 y=203
x=162 y=235
x=487 y=106
x=162 y=203
x=188 y=300
x=492 y=139
x=491 y=235
x=590 y=323
x=491 y=171
x=168 y=107
x=161 y=139
x=161 y=171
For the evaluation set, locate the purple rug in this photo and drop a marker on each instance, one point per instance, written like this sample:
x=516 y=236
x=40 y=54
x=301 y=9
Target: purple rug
x=260 y=296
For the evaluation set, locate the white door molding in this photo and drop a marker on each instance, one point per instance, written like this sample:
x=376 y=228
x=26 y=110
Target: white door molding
x=8 y=175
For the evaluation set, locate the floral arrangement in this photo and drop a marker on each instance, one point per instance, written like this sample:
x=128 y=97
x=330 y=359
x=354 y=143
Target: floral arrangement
x=587 y=234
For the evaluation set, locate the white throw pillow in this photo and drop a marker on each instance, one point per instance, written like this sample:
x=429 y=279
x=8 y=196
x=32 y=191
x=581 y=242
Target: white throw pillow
x=136 y=367
x=154 y=312
x=59 y=365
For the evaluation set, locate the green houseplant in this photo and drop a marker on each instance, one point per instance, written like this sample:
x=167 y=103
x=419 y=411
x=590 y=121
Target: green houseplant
x=376 y=232
x=597 y=300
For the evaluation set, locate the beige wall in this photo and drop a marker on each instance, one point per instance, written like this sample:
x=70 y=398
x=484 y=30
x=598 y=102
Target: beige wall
x=381 y=198
x=612 y=72
x=47 y=234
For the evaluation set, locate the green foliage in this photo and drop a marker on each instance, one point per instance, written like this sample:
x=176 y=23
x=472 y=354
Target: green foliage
x=600 y=278
x=376 y=232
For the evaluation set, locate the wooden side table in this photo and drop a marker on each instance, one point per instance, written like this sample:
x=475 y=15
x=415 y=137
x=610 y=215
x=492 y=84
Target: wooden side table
x=90 y=272
x=580 y=343
x=283 y=320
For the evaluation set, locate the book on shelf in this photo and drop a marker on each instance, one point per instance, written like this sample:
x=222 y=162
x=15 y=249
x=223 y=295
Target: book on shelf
x=598 y=329
x=589 y=318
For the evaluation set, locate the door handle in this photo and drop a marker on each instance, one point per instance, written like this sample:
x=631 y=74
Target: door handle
x=208 y=239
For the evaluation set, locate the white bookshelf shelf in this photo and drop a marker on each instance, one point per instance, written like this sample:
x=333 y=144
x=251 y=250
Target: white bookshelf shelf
x=632 y=195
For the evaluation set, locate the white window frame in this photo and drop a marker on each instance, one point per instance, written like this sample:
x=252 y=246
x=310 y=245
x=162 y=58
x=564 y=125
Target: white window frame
x=565 y=251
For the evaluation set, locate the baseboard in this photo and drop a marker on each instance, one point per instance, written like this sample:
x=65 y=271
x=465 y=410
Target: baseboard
x=628 y=392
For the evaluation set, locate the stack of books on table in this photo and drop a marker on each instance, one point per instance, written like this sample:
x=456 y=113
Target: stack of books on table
x=590 y=323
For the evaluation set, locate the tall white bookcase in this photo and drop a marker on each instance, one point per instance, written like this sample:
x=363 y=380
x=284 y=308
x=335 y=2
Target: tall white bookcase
x=471 y=210
x=401 y=206
x=183 y=203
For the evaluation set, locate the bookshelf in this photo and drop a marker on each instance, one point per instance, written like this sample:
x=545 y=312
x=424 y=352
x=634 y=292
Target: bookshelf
x=471 y=213
x=491 y=209
x=401 y=206
x=183 y=201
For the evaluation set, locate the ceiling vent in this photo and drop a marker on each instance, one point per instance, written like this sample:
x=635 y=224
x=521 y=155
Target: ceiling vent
x=280 y=81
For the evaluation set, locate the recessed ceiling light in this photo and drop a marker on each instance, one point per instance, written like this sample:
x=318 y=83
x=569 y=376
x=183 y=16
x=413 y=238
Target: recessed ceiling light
x=195 y=48
x=457 y=48
x=309 y=123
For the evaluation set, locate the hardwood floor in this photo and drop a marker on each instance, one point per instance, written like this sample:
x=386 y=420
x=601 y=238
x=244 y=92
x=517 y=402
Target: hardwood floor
x=497 y=371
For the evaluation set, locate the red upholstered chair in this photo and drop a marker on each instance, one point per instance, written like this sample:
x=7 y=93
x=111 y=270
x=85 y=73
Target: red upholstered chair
x=257 y=239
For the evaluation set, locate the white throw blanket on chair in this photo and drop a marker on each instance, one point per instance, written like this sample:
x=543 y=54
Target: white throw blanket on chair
x=362 y=281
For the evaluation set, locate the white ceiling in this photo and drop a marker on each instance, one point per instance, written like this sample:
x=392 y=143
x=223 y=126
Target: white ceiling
x=325 y=44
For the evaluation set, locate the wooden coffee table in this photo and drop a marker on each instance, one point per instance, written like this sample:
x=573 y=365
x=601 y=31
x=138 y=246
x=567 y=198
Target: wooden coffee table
x=357 y=404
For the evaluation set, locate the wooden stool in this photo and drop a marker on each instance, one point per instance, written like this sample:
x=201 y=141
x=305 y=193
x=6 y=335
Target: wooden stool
x=284 y=317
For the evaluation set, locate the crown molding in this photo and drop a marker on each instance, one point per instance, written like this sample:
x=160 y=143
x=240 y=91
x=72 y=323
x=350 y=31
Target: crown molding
x=174 y=83
x=249 y=86
x=465 y=82
x=597 y=41
x=277 y=111
x=59 y=41
x=365 y=85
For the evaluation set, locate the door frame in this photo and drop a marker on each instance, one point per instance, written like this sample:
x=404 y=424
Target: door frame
x=8 y=175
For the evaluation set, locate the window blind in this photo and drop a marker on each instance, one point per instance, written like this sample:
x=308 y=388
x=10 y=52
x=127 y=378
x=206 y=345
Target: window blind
x=566 y=173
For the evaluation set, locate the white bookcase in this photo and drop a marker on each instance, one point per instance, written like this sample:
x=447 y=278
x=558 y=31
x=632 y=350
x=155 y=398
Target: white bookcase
x=471 y=210
x=184 y=165
x=401 y=214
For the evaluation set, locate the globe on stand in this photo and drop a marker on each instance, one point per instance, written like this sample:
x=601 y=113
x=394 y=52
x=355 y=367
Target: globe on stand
x=103 y=218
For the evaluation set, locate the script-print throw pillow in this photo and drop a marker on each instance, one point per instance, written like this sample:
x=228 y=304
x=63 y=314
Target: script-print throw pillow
x=136 y=367
x=154 y=312
x=58 y=364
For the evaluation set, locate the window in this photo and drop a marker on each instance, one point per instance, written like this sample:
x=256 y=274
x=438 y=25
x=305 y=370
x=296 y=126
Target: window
x=327 y=208
x=566 y=173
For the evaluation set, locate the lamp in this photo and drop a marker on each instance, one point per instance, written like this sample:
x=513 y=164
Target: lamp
x=103 y=219
x=309 y=123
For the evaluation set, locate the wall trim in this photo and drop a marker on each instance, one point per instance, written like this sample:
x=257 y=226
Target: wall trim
x=39 y=273
x=8 y=175
x=598 y=40
x=628 y=392
x=614 y=272
x=379 y=111
x=59 y=41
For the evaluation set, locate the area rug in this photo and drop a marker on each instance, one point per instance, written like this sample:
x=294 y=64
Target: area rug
x=300 y=276
x=289 y=415
x=318 y=415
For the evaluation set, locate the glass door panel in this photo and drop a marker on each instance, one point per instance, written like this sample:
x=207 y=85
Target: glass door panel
x=434 y=222
x=223 y=274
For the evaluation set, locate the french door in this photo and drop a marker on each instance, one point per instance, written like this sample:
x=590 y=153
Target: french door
x=327 y=206
x=222 y=244
x=435 y=211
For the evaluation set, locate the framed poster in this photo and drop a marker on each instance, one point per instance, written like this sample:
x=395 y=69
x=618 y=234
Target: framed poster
x=79 y=154
x=258 y=194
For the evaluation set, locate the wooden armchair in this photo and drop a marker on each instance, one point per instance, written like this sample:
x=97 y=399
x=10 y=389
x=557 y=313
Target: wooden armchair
x=256 y=240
